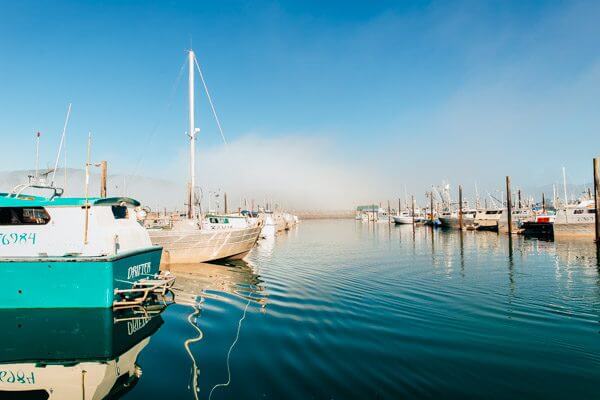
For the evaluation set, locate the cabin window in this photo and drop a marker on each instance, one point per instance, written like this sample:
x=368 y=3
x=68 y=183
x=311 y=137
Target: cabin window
x=23 y=216
x=120 y=212
x=213 y=220
x=591 y=210
x=579 y=211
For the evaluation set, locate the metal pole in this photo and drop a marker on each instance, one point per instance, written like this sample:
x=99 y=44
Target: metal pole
x=37 y=154
x=389 y=214
x=103 y=169
x=192 y=133
x=460 y=205
x=413 y=211
x=519 y=197
x=597 y=196
x=225 y=201
x=509 y=205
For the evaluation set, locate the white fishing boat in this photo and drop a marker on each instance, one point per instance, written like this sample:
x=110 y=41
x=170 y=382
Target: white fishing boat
x=70 y=252
x=450 y=219
x=518 y=217
x=404 y=218
x=487 y=219
x=576 y=220
x=197 y=239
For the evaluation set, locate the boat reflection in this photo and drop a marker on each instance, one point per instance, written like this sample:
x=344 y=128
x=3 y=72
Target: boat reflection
x=197 y=281
x=200 y=283
x=73 y=353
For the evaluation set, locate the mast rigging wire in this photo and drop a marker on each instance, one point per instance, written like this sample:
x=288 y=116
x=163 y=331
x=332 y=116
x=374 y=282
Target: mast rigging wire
x=210 y=101
x=60 y=146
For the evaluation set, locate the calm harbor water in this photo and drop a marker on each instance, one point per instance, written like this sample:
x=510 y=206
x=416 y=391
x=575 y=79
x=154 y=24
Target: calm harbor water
x=342 y=309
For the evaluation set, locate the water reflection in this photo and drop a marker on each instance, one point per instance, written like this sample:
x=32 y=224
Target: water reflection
x=196 y=285
x=73 y=353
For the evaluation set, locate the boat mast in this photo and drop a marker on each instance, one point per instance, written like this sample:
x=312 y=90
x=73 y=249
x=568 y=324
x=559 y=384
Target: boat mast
x=565 y=186
x=192 y=134
x=37 y=154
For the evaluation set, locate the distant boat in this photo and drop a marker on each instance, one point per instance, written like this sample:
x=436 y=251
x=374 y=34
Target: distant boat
x=196 y=238
x=75 y=252
x=405 y=218
x=518 y=217
x=575 y=220
x=487 y=219
x=542 y=225
x=450 y=219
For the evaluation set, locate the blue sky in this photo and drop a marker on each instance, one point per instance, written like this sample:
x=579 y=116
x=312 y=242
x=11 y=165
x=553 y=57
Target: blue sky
x=373 y=95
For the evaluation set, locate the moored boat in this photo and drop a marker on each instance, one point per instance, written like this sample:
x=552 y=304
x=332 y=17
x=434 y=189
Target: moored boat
x=541 y=225
x=487 y=219
x=577 y=220
x=450 y=219
x=75 y=252
x=197 y=238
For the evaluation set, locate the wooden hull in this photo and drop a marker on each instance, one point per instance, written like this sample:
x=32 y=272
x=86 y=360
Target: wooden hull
x=197 y=246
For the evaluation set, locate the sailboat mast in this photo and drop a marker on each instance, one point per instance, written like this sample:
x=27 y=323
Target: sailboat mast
x=192 y=133
x=565 y=186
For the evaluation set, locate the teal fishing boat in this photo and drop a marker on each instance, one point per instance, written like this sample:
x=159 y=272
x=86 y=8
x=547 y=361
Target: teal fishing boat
x=75 y=253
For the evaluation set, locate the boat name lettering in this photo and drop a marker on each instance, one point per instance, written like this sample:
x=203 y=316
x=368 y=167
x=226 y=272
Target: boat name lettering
x=7 y=239
x=137 y=270
x=16 y=377
x=136 y=325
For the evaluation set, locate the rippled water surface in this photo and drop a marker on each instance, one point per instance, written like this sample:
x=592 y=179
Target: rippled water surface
x=341 y=309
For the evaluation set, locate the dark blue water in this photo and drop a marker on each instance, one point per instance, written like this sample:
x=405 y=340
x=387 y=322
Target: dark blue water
x=340 y=309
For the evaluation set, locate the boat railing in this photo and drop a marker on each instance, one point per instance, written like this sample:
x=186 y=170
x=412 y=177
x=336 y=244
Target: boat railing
x=19 y=189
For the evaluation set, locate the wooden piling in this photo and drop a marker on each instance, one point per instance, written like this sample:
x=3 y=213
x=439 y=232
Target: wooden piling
x=103 y=170
x=431 y=207
x=509 y=205
x=460 y=207
x=543 y=203
x=597 y=196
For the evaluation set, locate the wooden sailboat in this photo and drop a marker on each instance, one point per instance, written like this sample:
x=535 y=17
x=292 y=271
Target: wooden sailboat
x=191 y=240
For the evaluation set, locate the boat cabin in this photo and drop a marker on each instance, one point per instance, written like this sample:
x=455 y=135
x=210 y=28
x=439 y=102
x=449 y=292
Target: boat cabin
x=33 y=226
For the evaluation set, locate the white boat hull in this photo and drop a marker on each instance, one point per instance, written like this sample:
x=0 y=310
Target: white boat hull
x=401 y=220
x=574 y=229
x=181 y=246
x=452 y=222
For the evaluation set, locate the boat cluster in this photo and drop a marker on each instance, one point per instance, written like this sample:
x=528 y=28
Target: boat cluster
x=560 y=218
x=101 y=252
